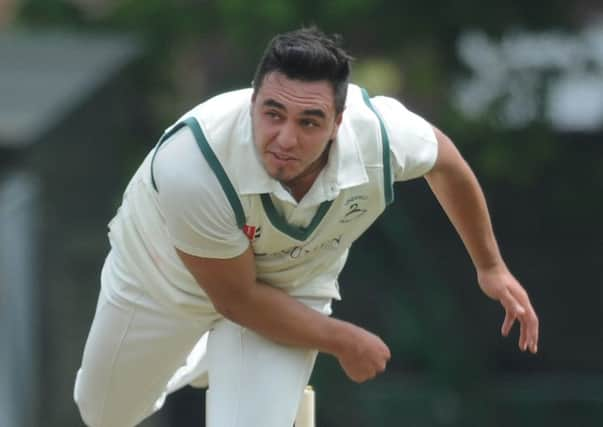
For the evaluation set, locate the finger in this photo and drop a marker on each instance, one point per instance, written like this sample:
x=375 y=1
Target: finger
x=536 y=337
x=507 y=324
x=527 y=329
x=512 y=304
x=529 y=332
x=516 y=311
x=534 y=334
x=528 y=322
x=523 y=334
x=534 y=331
x=388 y=353
x=513 y=310
x=530 y=327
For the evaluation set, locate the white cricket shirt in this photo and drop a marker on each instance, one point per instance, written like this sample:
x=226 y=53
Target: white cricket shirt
x=204 y=191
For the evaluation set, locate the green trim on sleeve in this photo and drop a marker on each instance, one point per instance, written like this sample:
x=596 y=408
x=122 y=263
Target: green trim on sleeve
x=298 y=233
x=213 y=162
x=388 y=182
x=164 y=137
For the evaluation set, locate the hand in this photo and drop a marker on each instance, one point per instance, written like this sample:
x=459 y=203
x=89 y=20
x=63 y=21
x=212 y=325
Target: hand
x=499 y=284
x=363 y=355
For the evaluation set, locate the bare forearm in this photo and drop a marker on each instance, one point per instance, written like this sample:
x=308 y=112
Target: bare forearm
x=232 y=286
x=460 y=195
x=276 y=315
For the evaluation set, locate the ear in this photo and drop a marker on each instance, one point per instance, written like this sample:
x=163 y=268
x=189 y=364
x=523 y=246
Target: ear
x=338 y=120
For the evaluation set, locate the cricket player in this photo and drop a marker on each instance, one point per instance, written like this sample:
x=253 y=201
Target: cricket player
x=226 y=249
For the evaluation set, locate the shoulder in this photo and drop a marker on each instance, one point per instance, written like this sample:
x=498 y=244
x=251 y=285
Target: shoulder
x=390 y=111
x=222 y=111
x=180 y=167
x=411 y=138
x=197 y=213
x=399 y=121
x=402 y=121
x=189 y=192
x=359 y=118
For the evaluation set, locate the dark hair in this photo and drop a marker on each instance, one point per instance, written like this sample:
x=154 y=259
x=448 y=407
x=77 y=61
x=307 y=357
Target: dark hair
x=307 y=54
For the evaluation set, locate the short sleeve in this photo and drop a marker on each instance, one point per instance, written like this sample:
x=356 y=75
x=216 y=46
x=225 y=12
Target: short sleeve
x=198 y=215
x=412 y=139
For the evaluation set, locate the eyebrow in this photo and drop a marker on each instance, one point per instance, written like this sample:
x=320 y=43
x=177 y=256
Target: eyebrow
x=309 y=112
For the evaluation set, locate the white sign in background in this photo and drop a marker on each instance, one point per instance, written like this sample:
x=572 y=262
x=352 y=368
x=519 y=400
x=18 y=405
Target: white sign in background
x=522 y=77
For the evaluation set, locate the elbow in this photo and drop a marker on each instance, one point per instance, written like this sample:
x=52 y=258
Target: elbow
x=227 y=310
x=231 y=305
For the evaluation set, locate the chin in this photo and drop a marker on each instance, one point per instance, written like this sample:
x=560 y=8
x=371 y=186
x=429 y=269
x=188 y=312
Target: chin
x=282 y=176
x=279 y=173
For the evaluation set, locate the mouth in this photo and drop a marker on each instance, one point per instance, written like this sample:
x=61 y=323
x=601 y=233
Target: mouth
x=281 y=157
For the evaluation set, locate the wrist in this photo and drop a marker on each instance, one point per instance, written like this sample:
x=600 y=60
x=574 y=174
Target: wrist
x=337 y=337
x=491 y=265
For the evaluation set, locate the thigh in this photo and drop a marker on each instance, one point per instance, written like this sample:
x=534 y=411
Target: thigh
x=253 y=381
x=131 y=352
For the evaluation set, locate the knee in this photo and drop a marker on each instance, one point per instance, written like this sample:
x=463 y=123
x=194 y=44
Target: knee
x=86 y=404
x=87 y=414
x=99 y=407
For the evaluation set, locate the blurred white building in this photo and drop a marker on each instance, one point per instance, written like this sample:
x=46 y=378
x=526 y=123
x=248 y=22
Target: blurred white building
x=61 y=123
x=553 y=76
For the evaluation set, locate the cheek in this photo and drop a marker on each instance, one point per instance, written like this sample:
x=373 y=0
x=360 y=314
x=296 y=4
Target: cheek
x=314 y=147
x=261 y=134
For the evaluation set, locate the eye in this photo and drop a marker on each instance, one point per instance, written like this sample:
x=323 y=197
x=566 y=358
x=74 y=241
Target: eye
x=308 y=123
x=273 y=115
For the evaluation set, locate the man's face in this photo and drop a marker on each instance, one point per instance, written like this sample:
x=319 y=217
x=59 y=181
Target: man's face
x=293 y=122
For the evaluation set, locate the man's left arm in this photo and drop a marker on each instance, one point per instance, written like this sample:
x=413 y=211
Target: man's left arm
x=460 y=195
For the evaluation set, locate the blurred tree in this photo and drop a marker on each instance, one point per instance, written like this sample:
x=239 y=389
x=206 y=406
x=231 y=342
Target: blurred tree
x=543 y=188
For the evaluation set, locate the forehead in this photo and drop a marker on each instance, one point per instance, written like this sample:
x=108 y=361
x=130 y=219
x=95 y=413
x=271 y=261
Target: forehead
x=297 y=94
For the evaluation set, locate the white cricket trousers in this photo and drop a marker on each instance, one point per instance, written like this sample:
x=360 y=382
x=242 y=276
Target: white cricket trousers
x=136 y=353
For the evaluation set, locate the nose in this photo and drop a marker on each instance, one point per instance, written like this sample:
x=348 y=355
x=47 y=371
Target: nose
x=287 y=136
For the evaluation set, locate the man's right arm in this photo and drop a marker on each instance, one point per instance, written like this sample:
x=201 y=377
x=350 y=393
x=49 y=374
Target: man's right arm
x=233 y=289
x=201 y=224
